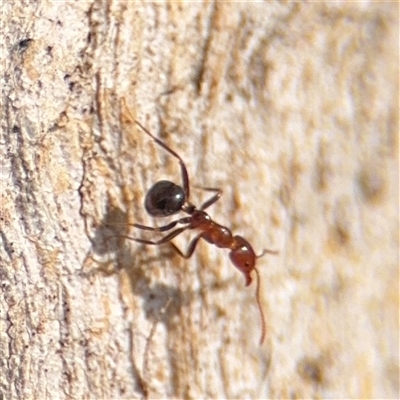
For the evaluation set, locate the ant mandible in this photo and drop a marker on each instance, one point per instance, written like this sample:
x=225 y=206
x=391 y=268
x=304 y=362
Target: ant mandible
x=166 y=198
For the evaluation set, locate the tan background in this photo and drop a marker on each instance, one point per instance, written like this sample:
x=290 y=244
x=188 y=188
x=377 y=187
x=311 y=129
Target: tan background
x=291 y=108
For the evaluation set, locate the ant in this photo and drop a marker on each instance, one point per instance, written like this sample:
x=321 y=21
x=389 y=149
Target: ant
x=166 y=198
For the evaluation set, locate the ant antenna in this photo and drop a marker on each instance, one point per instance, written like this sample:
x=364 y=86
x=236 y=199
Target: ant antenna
x=262 y=317
x=267 y=251
x=258 y=288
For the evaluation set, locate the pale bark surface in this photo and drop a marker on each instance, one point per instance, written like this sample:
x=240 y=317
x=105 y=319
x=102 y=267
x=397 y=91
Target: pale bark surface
x=292 y=109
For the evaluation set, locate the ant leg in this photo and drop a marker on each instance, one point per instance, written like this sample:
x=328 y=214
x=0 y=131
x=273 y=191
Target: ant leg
x=184 y=173
x=190 y=249
x=212 y=199
x=163 y=240
x=164 y=228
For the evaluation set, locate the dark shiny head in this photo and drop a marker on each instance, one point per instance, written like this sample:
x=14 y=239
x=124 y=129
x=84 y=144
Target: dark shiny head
x=164 y=198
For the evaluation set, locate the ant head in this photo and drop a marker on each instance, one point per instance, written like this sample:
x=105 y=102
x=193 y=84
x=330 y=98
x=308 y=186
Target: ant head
x=243 y=257
x=164 y=198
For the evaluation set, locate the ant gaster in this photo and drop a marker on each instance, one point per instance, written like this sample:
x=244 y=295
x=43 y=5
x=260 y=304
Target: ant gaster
x=166 y=198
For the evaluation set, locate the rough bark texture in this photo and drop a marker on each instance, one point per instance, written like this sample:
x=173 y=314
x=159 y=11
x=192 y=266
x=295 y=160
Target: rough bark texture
x=290 y=108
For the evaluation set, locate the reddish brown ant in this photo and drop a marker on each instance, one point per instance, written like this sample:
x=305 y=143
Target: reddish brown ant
x=165 y=198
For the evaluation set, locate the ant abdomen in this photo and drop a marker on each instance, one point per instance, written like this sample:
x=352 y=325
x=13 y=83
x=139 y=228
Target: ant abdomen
x=164 y=198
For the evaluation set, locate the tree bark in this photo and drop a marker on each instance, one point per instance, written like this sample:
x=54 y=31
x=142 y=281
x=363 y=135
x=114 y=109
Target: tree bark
x=291 y=109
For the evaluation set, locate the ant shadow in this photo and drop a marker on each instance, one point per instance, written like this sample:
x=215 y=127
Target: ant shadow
x=161 y=302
